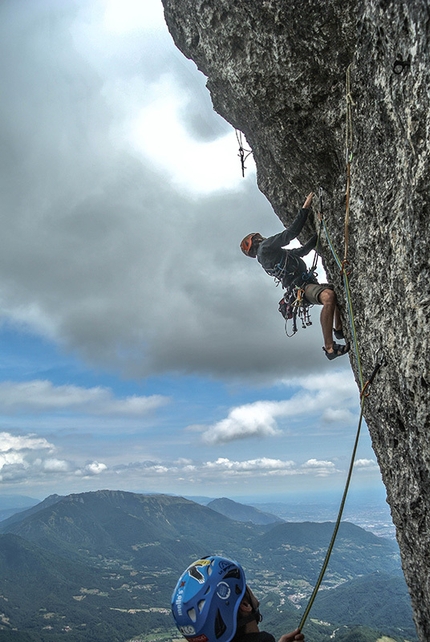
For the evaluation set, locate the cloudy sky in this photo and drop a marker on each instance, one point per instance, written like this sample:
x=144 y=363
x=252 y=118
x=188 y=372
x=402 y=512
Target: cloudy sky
x=140 y=350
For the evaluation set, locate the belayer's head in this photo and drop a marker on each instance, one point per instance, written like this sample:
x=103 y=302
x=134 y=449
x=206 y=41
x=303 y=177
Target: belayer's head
x=211 y=600
x=249 y=245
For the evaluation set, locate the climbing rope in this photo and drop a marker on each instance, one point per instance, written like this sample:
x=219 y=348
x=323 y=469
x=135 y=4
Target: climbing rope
x=349 y=140
x=315 y=261
x=363 y=395
x=363 y=386
x=342 y=266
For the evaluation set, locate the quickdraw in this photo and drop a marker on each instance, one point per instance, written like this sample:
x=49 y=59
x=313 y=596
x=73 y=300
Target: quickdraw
x=293 y=306
x=243 y=153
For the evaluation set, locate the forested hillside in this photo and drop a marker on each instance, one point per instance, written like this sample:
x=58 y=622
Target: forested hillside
x=102 y=566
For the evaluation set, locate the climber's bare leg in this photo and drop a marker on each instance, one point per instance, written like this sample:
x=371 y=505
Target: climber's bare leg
x=337 y=321
x=328 y=301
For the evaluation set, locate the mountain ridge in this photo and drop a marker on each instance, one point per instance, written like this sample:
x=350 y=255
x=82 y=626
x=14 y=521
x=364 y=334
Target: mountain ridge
x=127 y=577
x=242 y=512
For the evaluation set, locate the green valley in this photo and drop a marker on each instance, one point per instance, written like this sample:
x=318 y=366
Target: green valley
x=102 y=566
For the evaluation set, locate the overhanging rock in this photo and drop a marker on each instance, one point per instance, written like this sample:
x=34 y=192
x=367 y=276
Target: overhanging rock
x=277 y=72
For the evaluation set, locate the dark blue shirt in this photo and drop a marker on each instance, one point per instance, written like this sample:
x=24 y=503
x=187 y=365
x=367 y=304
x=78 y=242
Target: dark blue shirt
x=262 y=636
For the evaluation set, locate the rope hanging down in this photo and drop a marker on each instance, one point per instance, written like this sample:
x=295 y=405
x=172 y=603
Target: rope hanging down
x=363 y=386
x=363 y=395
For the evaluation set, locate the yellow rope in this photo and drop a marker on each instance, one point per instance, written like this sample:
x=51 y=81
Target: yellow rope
x=349 y=139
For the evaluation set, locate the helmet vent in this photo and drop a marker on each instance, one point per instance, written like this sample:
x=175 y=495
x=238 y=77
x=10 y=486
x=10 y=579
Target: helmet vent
x=235 y=573
x=192 y=614
x=220 y=626
x=201 y=605
x=194 y=572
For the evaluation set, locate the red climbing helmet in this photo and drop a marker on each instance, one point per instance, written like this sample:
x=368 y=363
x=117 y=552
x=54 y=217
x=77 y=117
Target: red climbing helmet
x=246 y=243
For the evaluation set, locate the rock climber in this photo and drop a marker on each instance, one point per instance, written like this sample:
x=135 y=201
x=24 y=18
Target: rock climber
x=288 y=267
x=212 y=603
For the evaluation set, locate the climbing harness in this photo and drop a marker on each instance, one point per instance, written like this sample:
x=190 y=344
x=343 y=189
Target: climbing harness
x=294 y=304
x=243 y=153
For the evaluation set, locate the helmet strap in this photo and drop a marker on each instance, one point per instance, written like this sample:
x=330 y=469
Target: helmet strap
x=254 y=616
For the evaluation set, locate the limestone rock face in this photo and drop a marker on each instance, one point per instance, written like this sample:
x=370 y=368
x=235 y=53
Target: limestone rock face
x=277 y=71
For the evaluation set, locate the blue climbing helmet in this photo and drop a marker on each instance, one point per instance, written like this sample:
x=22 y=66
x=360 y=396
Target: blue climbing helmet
x=206 y=599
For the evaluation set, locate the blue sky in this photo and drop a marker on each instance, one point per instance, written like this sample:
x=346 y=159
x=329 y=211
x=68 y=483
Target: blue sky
x=140 y=349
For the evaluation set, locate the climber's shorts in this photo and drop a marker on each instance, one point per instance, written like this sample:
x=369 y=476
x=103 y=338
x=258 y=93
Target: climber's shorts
x=313 y=291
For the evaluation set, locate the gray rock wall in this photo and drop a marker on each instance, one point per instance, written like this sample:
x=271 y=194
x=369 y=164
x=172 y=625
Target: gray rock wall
x=277 y=71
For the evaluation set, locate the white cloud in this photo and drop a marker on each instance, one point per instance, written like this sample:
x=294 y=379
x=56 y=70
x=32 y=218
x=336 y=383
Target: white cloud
x=28 y=459
x=341 y=381
x=337 y=415
x=224 y=468
x=15 y=443
x=332 y=397
x=319 y=468
x=251 y=420
x=366 y=464
x=41 y=466
x=43 y=397
x=56 y=466
x=12 y=459
x=125 y=16
x=266 y=466
x=93 y=468
x=21 y=456
x=251 y=465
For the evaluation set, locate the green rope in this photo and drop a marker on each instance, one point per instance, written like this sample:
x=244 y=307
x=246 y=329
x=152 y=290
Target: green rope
x=342 y=266
x=349 y=303
x=363 y=395
x=336 y=527
x=352 y=324
x=363 y=386
x=331 y=246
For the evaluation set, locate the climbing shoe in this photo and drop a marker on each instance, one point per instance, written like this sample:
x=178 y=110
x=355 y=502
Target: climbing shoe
x=338 y=351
